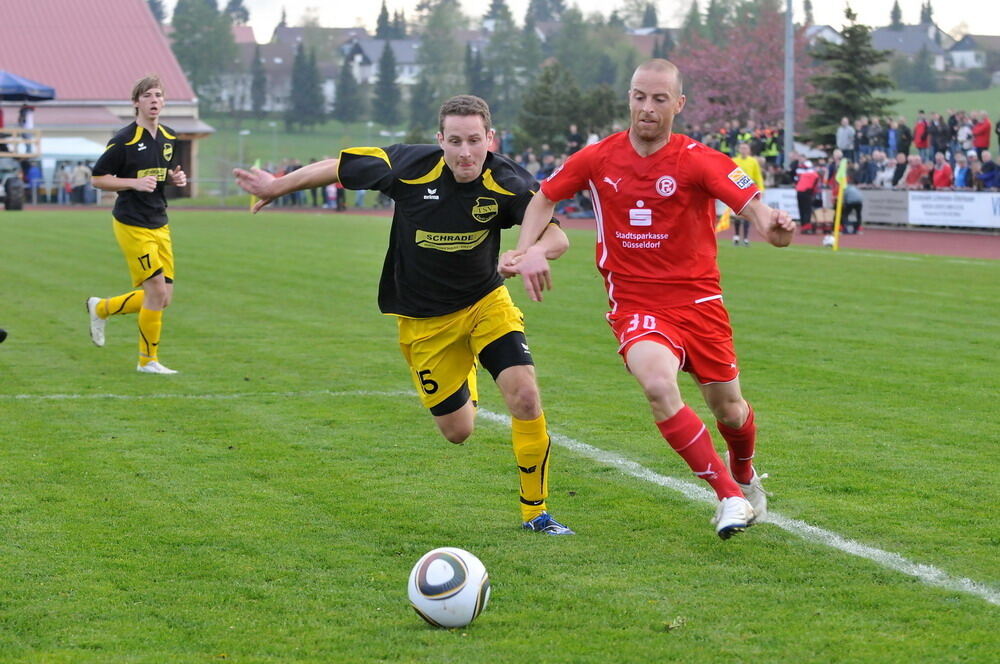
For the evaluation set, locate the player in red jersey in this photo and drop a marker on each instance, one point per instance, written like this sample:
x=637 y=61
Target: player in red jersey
x=653 y=192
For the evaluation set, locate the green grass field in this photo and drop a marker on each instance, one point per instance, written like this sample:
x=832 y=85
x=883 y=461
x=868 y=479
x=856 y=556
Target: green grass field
x=266 y=504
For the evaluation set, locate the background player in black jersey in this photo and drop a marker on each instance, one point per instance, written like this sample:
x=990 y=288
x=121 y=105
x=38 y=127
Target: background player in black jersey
x=440 y=277
x=137 y=164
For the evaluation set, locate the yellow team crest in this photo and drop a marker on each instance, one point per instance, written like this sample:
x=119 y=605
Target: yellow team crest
x=485 y=209
x=168 y=151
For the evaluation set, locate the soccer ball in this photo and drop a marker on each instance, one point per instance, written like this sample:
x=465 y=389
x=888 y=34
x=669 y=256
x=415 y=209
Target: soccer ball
x=449 y=587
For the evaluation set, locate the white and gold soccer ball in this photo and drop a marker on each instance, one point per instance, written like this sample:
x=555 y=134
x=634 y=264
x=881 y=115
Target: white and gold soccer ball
x=449 y=587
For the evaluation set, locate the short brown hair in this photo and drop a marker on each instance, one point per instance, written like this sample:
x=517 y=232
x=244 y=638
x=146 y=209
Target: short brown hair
x=465 y=105
x=147 y=82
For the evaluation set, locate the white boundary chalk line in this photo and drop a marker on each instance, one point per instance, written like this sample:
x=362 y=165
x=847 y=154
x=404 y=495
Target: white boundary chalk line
x=927 y=573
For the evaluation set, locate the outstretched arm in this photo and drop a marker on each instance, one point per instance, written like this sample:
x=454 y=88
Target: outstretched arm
x=775 y=225
x=537 y=243
x=266 y=187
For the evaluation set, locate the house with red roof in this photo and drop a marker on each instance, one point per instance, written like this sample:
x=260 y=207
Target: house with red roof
x=92 y=53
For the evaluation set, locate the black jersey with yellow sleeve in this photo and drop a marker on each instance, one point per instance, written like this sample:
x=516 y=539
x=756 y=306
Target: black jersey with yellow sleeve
x=134 y=153
x=445 y=238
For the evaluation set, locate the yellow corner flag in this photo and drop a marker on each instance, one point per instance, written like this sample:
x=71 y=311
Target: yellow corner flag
x=253 y=199
x=842 y=182
x=722 y=223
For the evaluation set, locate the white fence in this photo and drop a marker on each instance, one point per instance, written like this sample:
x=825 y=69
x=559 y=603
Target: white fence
x=956 y=209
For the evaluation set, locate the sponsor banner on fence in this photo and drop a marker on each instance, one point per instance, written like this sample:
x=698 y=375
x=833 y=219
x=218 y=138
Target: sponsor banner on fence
x=884 y=206
x=783 y=199
x=955 y=208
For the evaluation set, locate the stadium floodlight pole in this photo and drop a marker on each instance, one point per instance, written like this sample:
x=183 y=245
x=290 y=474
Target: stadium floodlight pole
x=789 y=81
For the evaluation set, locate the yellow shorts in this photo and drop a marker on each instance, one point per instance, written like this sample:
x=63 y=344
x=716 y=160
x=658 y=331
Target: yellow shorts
x=147 y=251
x=442 y=350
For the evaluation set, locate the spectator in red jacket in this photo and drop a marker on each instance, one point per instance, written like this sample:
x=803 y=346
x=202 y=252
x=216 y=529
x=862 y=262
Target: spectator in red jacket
x=942 y=176
x=921 y=137
x=981 y=129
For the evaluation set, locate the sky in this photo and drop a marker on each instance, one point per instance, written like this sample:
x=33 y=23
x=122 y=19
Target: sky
x=983 y=16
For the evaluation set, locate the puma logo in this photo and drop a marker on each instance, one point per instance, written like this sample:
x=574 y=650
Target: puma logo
x=613 y=183
x=707 y=474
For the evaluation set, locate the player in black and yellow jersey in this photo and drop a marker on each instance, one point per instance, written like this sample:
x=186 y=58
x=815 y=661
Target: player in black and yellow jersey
x=440 y=277
x=137 y=163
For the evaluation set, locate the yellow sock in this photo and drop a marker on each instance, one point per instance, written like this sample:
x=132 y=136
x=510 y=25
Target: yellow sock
x=129 y=303
x=531 y=449
x=150 y=325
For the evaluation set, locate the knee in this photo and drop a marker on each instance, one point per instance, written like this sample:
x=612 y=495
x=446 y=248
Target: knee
x=525 y=402
x=732 y=413
x=660 y=390
x=457 y=433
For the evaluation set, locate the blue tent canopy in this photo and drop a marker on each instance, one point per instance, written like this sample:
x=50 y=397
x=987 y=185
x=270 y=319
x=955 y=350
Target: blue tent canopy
x=18 y=88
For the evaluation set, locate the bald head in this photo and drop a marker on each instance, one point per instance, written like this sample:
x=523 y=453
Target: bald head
x=660 y=66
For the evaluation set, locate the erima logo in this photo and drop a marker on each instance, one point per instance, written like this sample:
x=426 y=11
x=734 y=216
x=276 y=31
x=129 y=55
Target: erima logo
x=431 y=195
x=530 y=469
x=613 y=183
x=142 y=146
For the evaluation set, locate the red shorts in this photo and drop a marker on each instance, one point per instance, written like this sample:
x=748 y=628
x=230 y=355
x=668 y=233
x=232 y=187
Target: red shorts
x=698 y=334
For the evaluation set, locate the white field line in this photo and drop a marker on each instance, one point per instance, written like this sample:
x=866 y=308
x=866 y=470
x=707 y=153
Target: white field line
x=927 y=573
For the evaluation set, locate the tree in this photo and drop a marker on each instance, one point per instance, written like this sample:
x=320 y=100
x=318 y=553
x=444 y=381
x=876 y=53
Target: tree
x=807 y=6
x=306 y=107
x=423 y=106
x=387 y=92
x=896 y=17
x=258 y=84
x=541 y=11
x=752 y=90
x=926 y=13
x=718 y=19
x=237 y=12
x=439 y=55
x=498 y=10
x=649 y=16
x=383 y=27
x=505 y=62
x=849 y=85
x=692 y=27
x=550 y=106
x=601 y=107
x=478 y=80
x=203 y=44
x=399 y=24
x=159 y=13
x=347 y=105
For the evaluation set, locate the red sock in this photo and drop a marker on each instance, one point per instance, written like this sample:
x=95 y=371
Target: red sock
x=688 y=435
x=741 y=447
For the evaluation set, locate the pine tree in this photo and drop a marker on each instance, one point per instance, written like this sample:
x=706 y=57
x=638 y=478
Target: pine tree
x=159 y=13
x=387 y=92
x=601 y=106
x=258 y=84
x=423 y=107
x=439 y=56
x=505 y=73
x=383 y=28
x=926 y=13
x=807 y=6
x=896 y=17
x=498 y=10
x=717 y=19
x=693 y=28
x=347 y=105
x=850 y=86
x=649 y=16
x=550 y=105
x=399 y=25
x=237 y=12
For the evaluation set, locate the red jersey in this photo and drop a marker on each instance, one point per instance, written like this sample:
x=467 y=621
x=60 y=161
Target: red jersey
x=656 y=244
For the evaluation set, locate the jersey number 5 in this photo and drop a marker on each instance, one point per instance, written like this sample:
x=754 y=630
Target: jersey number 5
x=429 y=386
